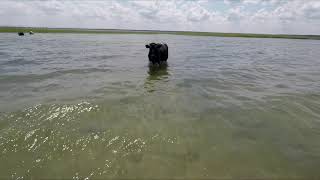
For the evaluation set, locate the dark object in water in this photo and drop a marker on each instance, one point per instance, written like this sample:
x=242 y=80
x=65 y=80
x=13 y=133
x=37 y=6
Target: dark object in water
x=31 y=33
x=157 y=52
x=21 y=33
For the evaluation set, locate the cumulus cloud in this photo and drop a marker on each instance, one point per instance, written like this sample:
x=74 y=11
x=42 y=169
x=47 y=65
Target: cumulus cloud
x=256 y=16
x=251 y=1
x=195 y=12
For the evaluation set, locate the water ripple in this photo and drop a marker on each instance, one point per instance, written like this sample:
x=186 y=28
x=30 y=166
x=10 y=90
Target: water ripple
x=104 y=113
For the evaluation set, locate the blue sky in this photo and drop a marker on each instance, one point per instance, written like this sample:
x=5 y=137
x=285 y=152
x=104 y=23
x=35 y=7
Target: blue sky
x=246 y=16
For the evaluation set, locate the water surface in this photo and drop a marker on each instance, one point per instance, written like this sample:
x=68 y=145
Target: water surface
x=78 y=106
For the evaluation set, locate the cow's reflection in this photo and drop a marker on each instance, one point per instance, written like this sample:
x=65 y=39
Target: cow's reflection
x=157 y=75
x=157 y=71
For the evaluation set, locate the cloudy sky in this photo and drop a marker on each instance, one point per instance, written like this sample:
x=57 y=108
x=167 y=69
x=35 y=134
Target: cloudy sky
x=254 y=16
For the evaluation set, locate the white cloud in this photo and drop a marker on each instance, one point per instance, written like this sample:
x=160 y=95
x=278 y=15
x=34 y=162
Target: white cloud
x=237 y=14
x=251 y=1
x=227 y=2
x=264 y=16
x=195 y=12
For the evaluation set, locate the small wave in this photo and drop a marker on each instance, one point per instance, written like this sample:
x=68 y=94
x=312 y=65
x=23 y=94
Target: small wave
x=52 y=86
x=3 y=53
x=39 y=77
x=81 y=71
x=104 y=57
x=282 y=86
x=19 y=61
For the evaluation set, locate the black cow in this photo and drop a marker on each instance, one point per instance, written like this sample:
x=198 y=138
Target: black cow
x=157 y=52
x=20 y=33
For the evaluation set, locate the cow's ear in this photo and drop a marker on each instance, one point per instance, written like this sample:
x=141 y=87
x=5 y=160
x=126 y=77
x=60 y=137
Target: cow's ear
x=147 y=46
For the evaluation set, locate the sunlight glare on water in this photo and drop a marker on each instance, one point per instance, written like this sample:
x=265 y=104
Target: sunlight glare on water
x=89 y=106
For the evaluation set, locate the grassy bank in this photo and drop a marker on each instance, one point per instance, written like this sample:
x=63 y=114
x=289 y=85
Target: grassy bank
x=116 y=31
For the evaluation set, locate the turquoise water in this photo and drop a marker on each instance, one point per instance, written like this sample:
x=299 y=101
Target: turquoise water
x=90 y=106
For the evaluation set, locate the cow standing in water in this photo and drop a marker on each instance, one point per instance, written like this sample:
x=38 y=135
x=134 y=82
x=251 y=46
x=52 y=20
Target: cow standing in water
x=157 y=52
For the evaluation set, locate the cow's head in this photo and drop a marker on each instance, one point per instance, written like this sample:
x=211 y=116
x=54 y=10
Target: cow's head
x=154 y=51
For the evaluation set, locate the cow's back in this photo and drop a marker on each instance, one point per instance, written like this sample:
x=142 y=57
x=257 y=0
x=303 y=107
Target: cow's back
x=164 y=52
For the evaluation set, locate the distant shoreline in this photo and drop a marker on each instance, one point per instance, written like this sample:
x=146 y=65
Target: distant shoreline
x=123 y=31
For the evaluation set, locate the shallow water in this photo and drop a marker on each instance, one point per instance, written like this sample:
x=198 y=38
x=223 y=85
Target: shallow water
x=77 y=106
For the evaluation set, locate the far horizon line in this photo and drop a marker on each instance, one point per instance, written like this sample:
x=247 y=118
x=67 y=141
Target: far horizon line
x=150 y=30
